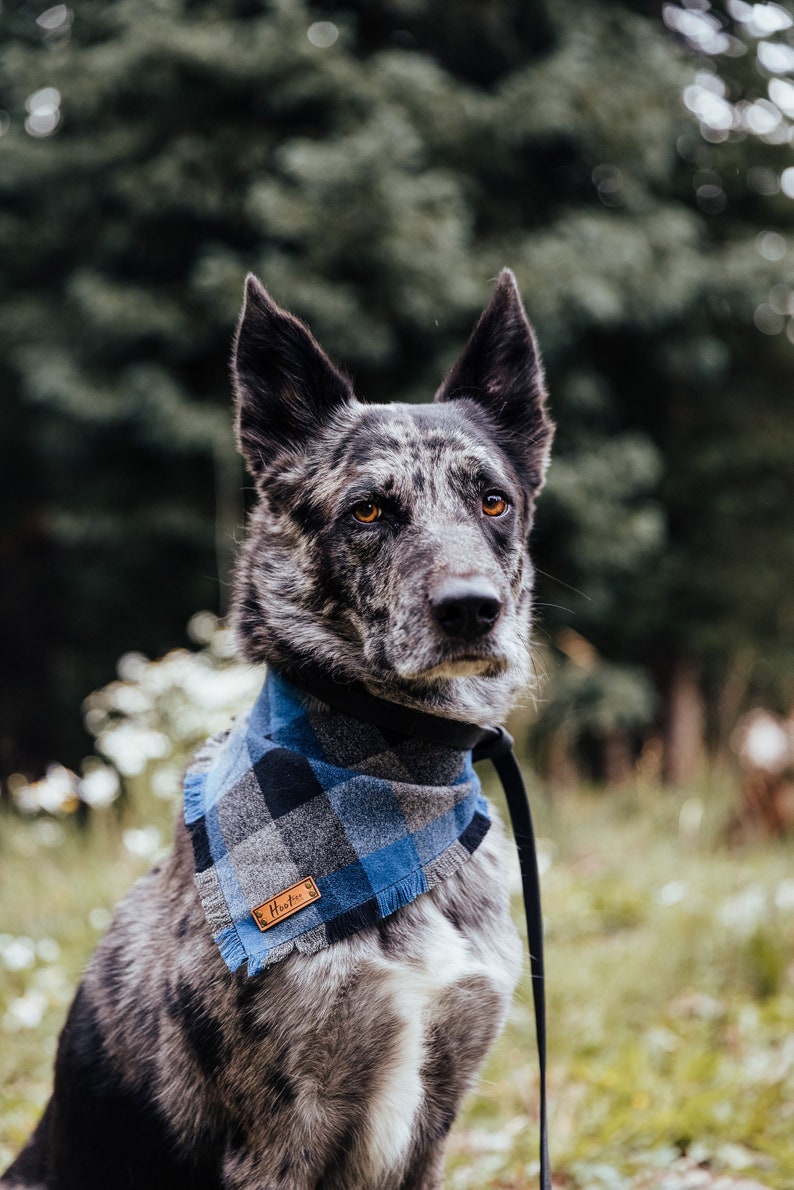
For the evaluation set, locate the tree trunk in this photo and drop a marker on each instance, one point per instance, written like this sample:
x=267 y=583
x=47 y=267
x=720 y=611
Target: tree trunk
x=616 y=757
x=561 y=769
x=684 y=748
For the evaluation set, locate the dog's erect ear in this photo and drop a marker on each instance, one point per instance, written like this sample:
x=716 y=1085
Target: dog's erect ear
x=285 y=384
x=500 y=369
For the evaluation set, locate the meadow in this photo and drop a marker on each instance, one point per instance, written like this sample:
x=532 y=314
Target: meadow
x=670 y=989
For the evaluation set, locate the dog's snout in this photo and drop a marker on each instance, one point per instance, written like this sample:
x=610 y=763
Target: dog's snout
x=465 y=608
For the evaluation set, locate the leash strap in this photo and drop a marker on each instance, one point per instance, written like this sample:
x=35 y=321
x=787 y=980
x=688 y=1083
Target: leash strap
x=500 y=752
x=486 y=743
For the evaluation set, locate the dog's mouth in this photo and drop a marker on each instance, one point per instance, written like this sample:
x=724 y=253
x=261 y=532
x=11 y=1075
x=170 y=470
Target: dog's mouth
x=469 y=667
x=467 y=663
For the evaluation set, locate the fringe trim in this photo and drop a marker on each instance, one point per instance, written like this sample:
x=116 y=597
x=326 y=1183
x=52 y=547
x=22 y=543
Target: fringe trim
x=350 y=921
x=193 y=787
x=215 y=905
x=231 y=948
x=195 y=780
x=446 y=864
x=402 y=893
x=308 y=944
x=475 y=832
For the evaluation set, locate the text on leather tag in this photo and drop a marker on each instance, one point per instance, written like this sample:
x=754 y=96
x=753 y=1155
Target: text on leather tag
x=285 y=903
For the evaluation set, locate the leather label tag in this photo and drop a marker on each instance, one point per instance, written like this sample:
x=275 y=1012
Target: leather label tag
x=285 y=903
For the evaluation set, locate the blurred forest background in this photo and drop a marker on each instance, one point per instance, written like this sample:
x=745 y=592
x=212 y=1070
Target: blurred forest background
x=377 y=162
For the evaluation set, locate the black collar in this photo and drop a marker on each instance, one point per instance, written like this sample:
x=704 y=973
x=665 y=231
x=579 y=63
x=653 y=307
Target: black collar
x=485 y=742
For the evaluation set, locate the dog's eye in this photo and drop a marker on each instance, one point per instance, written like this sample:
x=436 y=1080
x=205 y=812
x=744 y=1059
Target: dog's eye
x=367 y=512
x=494 y=504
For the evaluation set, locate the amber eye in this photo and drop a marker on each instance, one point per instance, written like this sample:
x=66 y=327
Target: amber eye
x=494 y=504
x=367 y=512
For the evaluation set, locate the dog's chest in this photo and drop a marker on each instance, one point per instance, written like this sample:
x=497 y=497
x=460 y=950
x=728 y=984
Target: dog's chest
x=444 y=979
x=401 y=1018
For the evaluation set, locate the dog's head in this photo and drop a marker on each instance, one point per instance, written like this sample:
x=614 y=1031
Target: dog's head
x=388 y=545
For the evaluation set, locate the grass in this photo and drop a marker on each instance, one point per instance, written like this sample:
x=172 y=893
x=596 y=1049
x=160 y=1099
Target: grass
x=670 y=987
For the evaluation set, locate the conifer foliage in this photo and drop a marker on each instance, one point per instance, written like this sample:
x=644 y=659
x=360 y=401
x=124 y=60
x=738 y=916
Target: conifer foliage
x=376 y=162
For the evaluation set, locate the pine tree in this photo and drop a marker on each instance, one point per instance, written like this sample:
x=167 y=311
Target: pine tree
x=376 y=164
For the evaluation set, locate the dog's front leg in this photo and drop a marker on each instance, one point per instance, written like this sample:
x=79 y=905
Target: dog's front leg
x=245 y=1168
x=426 y=1170
x=279 y=1163
x=238 y=1170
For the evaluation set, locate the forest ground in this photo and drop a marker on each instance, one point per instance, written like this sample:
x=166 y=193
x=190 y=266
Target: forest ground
x=670 y=969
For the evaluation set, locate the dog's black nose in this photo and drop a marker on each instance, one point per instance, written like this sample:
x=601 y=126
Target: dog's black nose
x=466 y=607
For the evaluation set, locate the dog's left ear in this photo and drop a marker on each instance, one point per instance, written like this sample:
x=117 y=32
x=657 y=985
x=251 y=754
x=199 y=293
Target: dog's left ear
x=286 y=385
x=501 y=371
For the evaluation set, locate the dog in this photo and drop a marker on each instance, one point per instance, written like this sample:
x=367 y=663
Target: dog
x=388 y=549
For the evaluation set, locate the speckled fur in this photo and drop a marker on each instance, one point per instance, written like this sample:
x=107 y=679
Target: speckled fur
x=342 y=1070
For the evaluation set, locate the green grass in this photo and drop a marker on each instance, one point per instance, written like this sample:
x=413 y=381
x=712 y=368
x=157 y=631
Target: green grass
x=670 y=989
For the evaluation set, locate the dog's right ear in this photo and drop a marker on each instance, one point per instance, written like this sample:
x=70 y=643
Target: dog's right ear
x=285 y=384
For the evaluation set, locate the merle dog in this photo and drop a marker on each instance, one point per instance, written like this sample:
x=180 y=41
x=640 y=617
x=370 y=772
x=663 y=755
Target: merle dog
x=388 y=548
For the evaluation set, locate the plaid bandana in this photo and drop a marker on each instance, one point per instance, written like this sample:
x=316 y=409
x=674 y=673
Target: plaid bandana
x=310 y=825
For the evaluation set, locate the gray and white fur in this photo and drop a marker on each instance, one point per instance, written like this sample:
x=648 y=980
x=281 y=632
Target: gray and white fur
x=389 y=546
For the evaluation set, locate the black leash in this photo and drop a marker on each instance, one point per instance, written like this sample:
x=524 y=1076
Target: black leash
x=500 y=751
x=485 y=743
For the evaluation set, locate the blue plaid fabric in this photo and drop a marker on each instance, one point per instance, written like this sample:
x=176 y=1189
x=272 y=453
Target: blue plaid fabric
x=290 y=793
